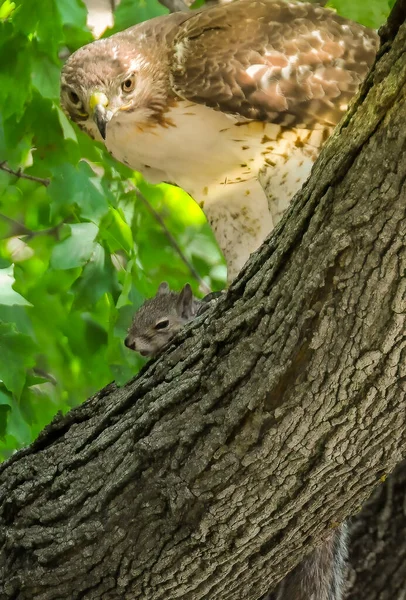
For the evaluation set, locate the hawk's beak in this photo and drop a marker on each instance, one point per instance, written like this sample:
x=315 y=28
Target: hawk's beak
x=98 y=104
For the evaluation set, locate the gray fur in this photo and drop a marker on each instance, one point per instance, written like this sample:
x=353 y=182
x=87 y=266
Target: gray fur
x=145 y=334
x=320 y=576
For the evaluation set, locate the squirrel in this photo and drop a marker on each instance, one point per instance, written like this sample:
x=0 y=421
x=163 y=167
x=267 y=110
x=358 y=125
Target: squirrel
x=160 y=318
x=320 y=575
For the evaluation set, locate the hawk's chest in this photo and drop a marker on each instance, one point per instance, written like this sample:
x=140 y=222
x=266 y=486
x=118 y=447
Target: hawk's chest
x=199 y=147
x=182 y=149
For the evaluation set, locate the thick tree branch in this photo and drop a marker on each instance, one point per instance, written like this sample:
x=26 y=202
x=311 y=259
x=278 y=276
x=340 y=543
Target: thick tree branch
x=232 y=455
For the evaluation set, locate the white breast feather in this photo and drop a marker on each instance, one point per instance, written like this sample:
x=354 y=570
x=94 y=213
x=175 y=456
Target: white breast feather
x=224 y=164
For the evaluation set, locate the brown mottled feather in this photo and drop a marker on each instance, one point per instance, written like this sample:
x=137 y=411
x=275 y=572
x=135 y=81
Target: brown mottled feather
x=274 y=60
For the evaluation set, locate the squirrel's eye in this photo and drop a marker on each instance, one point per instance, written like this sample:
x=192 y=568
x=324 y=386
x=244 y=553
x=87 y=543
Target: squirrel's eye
x=162 y=324
x=73 y=97
x=128 y=84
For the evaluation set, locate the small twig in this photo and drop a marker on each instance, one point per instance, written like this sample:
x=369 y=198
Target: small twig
x=174 y=5
x=50 y=231
x=21 y=230
x=21 y=175
x=18 y=228
x=173 y=242
x=41 y=373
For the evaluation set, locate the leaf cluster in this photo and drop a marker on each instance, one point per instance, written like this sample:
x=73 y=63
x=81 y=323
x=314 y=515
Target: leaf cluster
x=79 y=250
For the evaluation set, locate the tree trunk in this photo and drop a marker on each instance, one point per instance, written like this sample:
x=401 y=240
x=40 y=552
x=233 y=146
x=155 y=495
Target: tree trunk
x=234 y=454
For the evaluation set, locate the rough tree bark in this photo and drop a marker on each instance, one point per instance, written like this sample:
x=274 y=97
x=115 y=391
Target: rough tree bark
x=378 y=548
x=230 y=457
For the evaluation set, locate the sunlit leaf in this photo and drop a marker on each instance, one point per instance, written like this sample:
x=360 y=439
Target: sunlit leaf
x=116 y=232
x=68 y=131
x=8 y=295
x=73 y=12
x=40 y=20
x=372 y=13
x=129 y=13
x=6 y=9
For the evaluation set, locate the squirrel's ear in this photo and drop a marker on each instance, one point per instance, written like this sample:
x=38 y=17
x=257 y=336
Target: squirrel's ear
x=163 y=289
x=185 y=302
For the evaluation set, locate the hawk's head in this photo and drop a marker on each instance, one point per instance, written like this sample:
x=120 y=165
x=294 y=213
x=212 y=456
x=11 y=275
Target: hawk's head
x=112 y=77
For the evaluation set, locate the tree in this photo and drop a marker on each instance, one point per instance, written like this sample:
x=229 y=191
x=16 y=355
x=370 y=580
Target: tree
x=270 y=421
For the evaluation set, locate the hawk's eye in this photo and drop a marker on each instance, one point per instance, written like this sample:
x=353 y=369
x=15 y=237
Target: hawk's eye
x=73 y=97
x=162 y=324
x=128 y=84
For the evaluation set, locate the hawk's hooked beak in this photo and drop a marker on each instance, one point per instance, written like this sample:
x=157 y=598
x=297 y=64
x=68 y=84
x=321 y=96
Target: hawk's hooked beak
x=98 y=104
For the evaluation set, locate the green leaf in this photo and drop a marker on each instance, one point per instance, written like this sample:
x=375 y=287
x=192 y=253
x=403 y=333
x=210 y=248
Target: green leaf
x=45 y=76
x=98 y=278
x=73 y=12
x=5 y=409
x=371 y=14
x=130 y=12
x=15 y=80
x=41 y=20
x=96 y=335
x=9 y=296
x=5 y=399
x=126 y=289
x=116 y=232
x=6 y=9
x=17 y=315
x=74 y=16
x=68 y=131
x=79 y=186
x=17 y=426
x=77 y=249
x=16 y=351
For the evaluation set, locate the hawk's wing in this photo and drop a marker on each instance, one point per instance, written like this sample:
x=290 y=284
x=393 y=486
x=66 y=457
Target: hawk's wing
x=286 y=62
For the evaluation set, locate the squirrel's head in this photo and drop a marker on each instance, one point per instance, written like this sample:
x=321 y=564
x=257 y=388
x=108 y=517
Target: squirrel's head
x=157 y=321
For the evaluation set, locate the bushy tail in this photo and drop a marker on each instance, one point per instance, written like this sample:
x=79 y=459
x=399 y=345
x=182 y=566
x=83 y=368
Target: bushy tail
x=320 y=576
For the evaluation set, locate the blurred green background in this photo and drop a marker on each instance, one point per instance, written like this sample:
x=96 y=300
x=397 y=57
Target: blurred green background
x=79 y=250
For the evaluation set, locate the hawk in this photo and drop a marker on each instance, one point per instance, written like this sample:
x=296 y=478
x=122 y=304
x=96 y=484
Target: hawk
x=232 y=103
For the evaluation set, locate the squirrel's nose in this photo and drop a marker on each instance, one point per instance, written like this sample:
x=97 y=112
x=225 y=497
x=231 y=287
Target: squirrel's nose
x=130 y=344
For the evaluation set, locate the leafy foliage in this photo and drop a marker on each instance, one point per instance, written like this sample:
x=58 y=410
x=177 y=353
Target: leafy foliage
x=79 y=250
x=372 y=14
